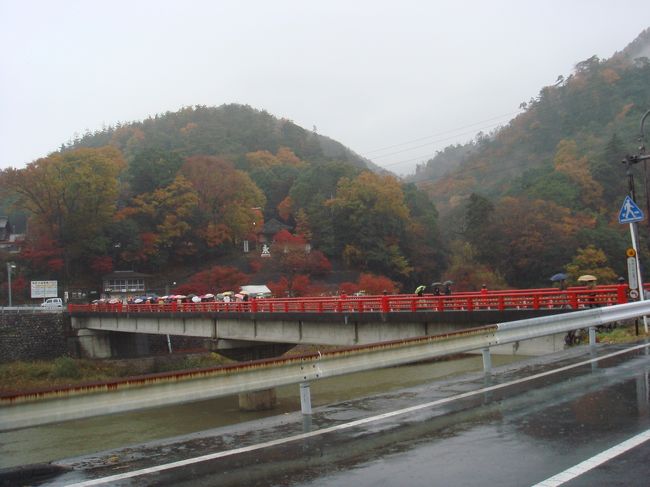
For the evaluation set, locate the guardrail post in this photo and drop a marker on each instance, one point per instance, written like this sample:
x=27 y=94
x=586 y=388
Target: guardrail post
x=592 y=336
x=254 y=305
x=573 y=299
x=305 y=398
x=535 y=302
x=414 y=306
x=470 y=304
x=487 y=360
x=502 y=303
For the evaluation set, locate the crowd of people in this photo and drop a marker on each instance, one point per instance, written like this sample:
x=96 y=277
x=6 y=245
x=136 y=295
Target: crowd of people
x=437 y=288
x=225 y=297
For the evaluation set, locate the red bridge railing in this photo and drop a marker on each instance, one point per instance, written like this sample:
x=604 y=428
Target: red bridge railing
x=549 y=298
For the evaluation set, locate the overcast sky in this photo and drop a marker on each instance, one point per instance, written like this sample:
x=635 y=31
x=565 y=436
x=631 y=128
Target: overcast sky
x=393 y=80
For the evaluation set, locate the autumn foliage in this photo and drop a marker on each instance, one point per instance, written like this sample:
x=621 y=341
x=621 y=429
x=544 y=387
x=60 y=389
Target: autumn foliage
x=213 y=280
x=370 y=284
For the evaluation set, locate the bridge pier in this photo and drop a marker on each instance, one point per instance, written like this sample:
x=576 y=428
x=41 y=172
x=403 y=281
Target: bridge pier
x=258 y=400
x=94 y=344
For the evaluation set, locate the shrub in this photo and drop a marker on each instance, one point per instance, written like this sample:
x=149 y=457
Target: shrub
x=65 y=367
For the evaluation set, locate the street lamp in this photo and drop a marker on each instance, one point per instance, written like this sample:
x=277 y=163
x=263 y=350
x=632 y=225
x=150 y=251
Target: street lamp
x=10 y=266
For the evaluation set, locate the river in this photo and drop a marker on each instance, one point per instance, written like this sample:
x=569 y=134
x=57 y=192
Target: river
x=73 y=438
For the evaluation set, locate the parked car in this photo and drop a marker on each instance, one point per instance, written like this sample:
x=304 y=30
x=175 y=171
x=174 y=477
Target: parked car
x=52 y=303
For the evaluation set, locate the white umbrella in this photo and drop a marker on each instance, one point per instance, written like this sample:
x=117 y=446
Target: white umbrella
x=587 y=278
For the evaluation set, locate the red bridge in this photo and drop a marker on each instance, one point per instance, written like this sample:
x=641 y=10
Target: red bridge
x=520 y=299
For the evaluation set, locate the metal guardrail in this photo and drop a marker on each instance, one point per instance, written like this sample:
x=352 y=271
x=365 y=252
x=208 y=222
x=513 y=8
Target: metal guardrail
x=30 y=309
x=30 y=409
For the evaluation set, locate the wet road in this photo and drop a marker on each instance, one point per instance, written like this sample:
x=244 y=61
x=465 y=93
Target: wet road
x=529 y=423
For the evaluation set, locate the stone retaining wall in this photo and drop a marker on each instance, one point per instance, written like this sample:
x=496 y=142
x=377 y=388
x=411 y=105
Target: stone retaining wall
x=34 y=336
x=46 y=336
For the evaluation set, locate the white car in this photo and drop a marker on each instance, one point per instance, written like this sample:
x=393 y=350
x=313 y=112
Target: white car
x=52 y=303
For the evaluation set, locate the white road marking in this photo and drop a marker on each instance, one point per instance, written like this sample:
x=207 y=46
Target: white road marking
x=595 y=461
x=344 y=426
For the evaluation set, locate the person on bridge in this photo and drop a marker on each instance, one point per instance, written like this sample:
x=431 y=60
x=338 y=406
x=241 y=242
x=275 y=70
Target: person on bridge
x=420 y=290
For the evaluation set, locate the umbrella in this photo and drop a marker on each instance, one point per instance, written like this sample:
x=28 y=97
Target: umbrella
x=436 y=284
x=239 y=296
x=560 y=276
x=448 y=283
x=419 y=289
x=196 y=299
x=587 y=278
x=228 y=293
x=208 y=296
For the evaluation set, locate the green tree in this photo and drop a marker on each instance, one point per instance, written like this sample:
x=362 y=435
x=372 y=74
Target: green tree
x=227 y=199
x=152 y=168
x=467 y=273
x=478 y=227
x=369 y=215
x=312 y=189
x=591 y=260
x=423 y=246
x=72 y=196
x=167 y=212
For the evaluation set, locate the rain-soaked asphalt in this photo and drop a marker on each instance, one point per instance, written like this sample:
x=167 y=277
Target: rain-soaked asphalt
x=510 y=435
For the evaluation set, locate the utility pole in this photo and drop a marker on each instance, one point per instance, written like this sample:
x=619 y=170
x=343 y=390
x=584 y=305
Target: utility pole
x=634 y=233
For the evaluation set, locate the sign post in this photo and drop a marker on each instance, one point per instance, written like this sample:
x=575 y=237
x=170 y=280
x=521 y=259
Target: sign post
x=44 y=289
x=630 y=213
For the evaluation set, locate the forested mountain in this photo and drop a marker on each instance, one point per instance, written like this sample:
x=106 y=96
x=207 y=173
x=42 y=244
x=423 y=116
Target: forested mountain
x=179 y=193
x=542 y=192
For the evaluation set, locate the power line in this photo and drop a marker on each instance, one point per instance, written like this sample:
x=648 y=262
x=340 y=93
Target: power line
x=439 y=133
x=429 y=155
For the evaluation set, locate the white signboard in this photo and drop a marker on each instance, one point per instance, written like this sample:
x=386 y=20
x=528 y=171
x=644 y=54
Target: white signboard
x=44 y=289
x=633 y=280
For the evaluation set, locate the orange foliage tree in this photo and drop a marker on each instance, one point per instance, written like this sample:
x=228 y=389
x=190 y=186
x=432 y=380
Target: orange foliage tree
x=214 y=280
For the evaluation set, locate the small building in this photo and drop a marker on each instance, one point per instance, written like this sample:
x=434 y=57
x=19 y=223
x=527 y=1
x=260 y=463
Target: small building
x=5 y=229
x=272 y=227
x=124 y=284
x=9 y=241
x=256 y=291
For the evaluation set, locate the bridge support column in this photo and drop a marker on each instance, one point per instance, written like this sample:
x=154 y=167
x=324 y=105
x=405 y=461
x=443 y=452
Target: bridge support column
x=487 y=361
x=258 y=400
x=94 y=344
x=592 y=336
x=305 y=398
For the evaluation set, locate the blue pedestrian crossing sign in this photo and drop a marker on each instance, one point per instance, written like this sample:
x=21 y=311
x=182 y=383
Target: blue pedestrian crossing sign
x=630 y=212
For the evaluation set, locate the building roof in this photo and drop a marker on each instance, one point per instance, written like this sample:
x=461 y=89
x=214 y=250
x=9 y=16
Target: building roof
x=273 y=226
x=125 y=275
